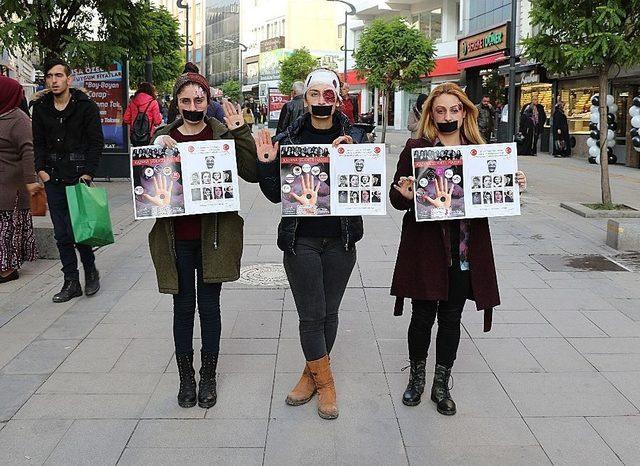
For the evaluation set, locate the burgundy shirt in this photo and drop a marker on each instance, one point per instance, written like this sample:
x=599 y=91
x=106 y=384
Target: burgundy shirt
x=187 y=227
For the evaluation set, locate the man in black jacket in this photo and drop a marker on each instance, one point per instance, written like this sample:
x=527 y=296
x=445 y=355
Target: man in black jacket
x=293 y=109
x=68 y=143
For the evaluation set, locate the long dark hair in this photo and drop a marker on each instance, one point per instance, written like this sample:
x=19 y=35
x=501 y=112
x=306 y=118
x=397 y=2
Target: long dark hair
x=419 y=103
x=147 y=88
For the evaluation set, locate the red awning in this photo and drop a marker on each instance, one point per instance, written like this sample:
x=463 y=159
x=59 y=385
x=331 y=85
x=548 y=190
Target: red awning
x=480 y=61
x=352 y=78
x=445 y=66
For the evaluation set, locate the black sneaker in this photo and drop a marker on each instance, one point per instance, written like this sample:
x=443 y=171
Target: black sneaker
x=71 y=289
x=91 y=282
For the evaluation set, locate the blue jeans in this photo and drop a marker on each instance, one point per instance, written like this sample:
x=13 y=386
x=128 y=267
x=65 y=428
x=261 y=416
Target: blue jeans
x=189 y=263
x=63 y=233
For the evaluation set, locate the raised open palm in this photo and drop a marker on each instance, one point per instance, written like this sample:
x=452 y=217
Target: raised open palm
x=309 y=195
x=232 y=115
x=163 y=189
x=443 y=194
x=267 y=151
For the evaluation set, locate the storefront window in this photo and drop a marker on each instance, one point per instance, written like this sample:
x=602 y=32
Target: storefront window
x=578 y=107
x=542 y=91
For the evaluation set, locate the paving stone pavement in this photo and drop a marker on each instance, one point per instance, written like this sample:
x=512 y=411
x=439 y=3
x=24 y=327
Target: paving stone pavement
x=93 y=381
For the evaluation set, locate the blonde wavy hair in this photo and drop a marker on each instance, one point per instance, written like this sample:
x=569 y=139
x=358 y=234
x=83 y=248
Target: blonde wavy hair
x=469 y=131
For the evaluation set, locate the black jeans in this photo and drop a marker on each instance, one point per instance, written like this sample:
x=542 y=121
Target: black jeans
x=318 y=273
x=63 y=233
x=189 y=262
x=449 y=313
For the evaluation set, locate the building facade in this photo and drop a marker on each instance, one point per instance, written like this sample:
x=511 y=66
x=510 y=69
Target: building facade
x=222 y=49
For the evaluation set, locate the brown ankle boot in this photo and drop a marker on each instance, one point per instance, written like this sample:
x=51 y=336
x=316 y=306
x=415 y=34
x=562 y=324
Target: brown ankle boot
x=303 y=391
x=321 y=372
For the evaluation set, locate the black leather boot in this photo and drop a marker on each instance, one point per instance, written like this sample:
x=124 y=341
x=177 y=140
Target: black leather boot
x=71 y=289
x=415 y=388
x=207 y=395
x=187 y=392
x=440 y=391
x=92 y=281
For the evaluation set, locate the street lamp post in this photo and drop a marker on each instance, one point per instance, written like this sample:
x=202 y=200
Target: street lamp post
x=352 y=12
x=184 y=5
x=512 y=71
x=243 y=48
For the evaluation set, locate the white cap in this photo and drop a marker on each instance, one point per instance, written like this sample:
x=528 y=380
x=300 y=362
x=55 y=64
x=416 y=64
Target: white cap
x=323 y=76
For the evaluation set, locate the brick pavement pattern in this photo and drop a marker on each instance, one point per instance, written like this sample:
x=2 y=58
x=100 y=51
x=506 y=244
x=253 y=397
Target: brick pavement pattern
x=94 y=381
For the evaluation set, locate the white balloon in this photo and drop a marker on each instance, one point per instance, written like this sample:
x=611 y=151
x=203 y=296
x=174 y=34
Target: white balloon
x=610 y=100
x=595 y=109
x=635 y=121
x=610 y=135
x=634 y=111
x=594 y=151
x=595 y=117
x=598 y=160
x=637 y=149
x=611 y=142
x=613 y=109
x=591 y=142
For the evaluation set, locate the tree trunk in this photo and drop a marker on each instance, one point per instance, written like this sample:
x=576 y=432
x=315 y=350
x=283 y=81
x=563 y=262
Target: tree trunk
x=604 y=159
x=385 y=97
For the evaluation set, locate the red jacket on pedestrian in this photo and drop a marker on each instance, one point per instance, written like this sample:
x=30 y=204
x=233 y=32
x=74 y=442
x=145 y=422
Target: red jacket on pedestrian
x=424 y=254
x=347 y=109
x=139 y=104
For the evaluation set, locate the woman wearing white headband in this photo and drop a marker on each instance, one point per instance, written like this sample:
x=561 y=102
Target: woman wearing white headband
x=319 y=252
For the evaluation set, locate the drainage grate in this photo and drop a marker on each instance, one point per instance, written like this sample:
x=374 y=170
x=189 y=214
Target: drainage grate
x=266 y=275
x=573 y=263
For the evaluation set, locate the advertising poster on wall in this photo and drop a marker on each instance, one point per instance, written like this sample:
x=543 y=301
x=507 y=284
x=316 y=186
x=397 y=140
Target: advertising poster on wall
x=106 y=88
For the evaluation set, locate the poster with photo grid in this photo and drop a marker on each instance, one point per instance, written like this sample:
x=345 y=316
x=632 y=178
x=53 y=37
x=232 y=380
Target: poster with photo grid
x=322 y=180
x=472 y=181
x=194 y=178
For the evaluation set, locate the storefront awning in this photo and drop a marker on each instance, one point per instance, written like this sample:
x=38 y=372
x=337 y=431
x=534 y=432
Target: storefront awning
x=483 y=61
x=445 y=66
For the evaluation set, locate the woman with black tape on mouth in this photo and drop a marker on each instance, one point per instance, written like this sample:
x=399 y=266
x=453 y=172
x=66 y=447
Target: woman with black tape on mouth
x=441 y=264
x=319 y=253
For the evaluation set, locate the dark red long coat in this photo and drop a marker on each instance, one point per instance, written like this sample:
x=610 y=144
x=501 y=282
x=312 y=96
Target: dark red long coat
x=424 y=255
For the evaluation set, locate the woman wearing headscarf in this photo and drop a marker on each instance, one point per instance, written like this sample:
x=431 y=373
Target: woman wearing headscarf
x=17 y=182
x=414 y=116
x=560 y=131
x=528 y=131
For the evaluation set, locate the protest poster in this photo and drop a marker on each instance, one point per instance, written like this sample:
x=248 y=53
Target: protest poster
x=322 y=180
x=456 y=182
x=195 y=178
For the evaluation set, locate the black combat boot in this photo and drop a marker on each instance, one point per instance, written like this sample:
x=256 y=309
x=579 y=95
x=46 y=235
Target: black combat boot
x=71 y=289
x=91 y=281
x=207 y=395
x=440 y=391
x=187 y=392
x=415 y=388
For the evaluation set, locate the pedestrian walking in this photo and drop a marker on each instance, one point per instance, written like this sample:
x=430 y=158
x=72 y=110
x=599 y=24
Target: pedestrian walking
x=247 y=114
x=414 y=115
x=440 y=264
x=349 y=104
x=533 y=125
x=486 y=116
x=293 y=109
x=17 y=182
x=264 y=113
x=319 y=253
x=194 y=254
x=68 y=144
x=560 y=131
x=143 y=115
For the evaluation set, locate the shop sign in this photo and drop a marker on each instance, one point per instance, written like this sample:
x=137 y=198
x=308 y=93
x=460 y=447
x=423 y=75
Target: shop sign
x=530 y=78
x=272 y=44
x=484 y=43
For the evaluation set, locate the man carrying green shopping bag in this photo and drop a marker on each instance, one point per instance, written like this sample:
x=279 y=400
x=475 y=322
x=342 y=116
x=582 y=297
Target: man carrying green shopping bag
x=68 y=143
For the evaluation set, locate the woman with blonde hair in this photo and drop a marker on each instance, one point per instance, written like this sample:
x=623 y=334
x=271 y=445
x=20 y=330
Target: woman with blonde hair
x=440 y=264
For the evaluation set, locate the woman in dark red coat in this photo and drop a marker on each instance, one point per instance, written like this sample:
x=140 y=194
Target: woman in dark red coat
x=441 y=264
